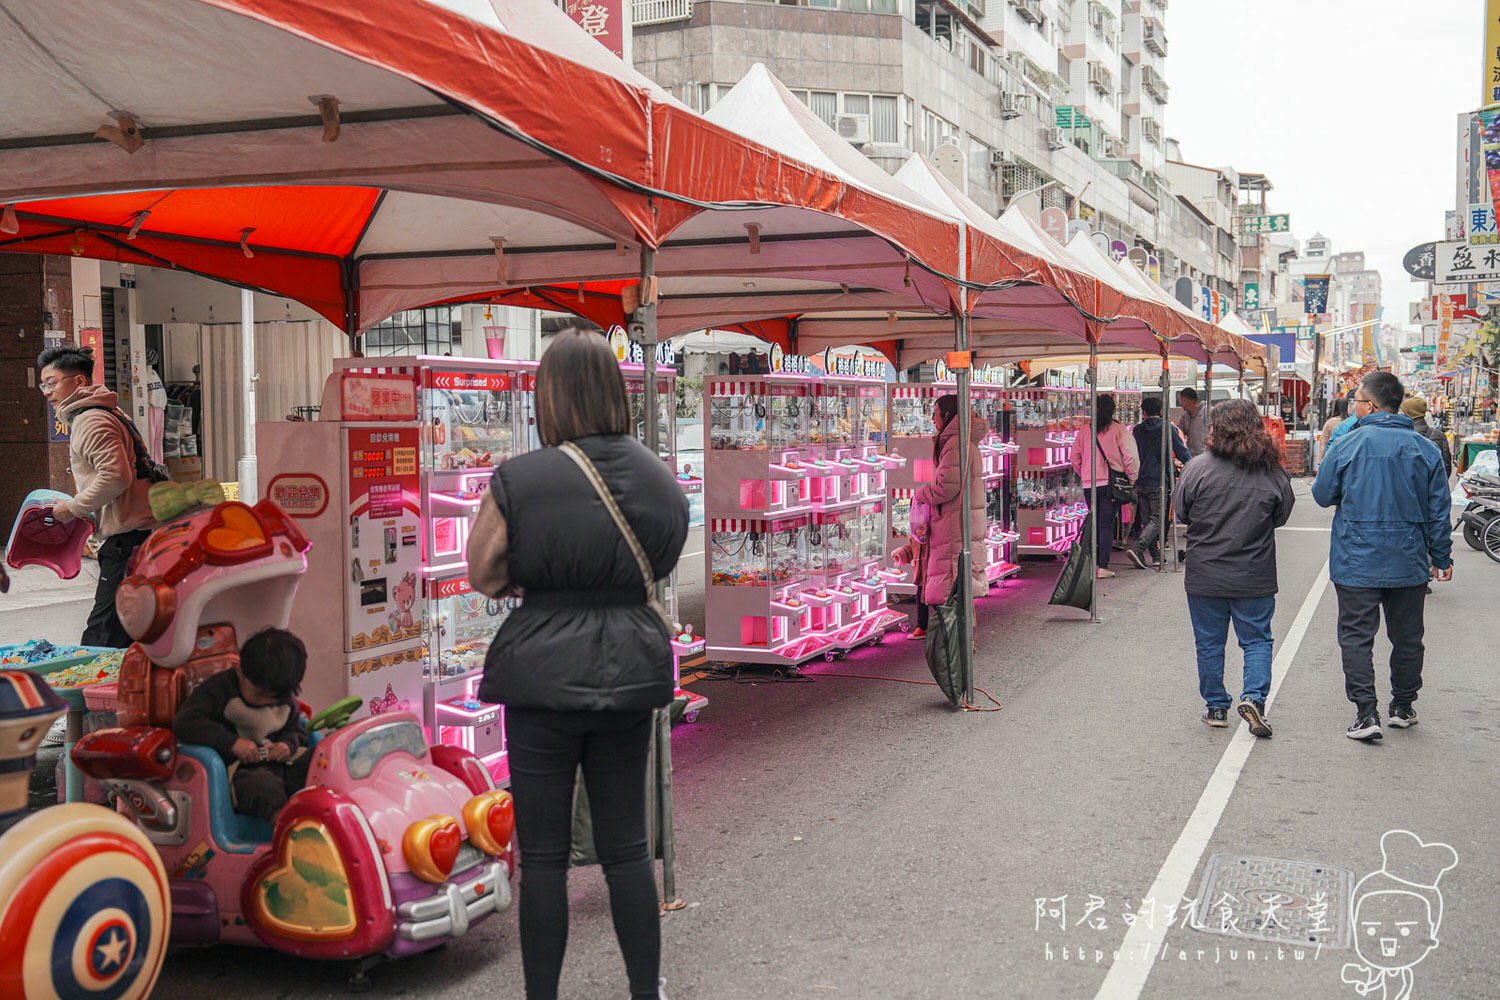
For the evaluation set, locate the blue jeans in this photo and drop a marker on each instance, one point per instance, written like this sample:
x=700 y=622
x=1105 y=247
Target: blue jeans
x=1252 y=626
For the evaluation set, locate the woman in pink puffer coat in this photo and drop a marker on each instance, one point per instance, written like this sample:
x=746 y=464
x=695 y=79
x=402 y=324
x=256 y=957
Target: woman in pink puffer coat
x=946 y=533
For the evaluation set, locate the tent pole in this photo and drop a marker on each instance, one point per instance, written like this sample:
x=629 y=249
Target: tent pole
x=249 y=471
x=1166 y=462
x=644 y=323
x=965 y=514
x=1092 y=465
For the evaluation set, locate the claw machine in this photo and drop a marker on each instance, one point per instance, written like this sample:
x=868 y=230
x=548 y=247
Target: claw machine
x=1050 y=506
x=997 y=451
x=910 y=430
x=761 y=471
x=456 y=420
x=685 y=642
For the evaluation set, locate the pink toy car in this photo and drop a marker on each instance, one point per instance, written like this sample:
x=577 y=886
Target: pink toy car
x=392 y=848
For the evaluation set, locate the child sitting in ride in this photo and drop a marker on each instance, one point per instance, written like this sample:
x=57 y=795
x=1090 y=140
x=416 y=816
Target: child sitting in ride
x=250 y=717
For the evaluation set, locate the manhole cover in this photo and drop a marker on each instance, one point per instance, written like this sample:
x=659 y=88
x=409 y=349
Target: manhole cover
x=1268 y=899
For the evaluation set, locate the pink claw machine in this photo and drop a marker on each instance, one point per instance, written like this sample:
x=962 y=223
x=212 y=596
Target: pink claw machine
x=761 y=472
x=997 y=451
x=685 y=643
x=1050 y=506
x=909 y=429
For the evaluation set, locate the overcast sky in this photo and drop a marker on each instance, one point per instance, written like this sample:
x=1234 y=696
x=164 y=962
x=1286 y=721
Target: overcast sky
x=1349 y=108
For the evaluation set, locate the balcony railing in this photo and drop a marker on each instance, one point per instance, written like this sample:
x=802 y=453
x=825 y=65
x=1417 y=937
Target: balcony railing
x=1154 y=35
x=1153 y=82
x=644 y=12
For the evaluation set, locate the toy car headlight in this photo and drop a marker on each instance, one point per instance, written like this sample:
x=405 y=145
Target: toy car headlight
x=491 y=819
x=431 y=847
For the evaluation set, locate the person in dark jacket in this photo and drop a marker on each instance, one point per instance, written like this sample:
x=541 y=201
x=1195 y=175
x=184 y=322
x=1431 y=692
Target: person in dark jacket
x=1416 y=408
x=1232 y=498
x=1147 y=435
x=1390 y=535
x=249 y=716
x=584 y=660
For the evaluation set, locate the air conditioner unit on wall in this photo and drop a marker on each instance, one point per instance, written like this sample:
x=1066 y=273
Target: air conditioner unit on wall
x=1114 y=148
x=1011 y=105
x=1000 y=158
x=1030 y=10
x=853 y=128
x=1055 y=138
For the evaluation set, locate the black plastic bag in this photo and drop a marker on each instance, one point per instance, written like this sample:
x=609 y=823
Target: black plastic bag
x=1075 y=585
x=945 y=641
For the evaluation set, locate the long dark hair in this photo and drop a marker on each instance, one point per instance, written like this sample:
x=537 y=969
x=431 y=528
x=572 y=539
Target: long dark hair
x=1340 y=408
x=1237 y=434
x=1104 y=412
x=943 y=412
x=579 y=389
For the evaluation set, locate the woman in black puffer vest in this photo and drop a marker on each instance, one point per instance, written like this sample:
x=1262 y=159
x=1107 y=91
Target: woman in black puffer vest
x=584 y=660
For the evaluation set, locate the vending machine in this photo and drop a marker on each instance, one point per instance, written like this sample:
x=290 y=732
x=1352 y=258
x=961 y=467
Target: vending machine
x=910 y=430
x=396 y=546
x=998 y=450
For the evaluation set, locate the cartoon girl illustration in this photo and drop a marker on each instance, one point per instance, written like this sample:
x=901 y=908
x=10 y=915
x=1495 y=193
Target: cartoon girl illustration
x=1397 y=912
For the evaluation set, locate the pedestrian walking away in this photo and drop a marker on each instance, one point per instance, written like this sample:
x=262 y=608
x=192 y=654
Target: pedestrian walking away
x=108 y=468
x=584 y=660
x=1390 y=535
x=1148 y=511
x=1191 y=420
x=1339 y=414
x=1232 y=498
x=1112 y=449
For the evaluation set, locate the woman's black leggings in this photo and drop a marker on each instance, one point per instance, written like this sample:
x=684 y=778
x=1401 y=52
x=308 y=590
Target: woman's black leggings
x=546 y=749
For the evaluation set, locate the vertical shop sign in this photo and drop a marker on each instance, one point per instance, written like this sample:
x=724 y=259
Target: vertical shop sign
x=1315 y=293
x=1252 y=295
x=1490 y=85
x=1445 y=329
x=603 y=19
x=1489 y=142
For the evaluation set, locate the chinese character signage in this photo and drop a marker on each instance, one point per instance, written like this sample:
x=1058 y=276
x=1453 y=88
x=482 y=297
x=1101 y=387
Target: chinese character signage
x=1315 y=293
x=1490 y=84
x=1459 y=263
x=1252 y=295
x=603 y=19
x=1479 y=222
x=1445 y=329
x=1268 y=223
x=1420 y=258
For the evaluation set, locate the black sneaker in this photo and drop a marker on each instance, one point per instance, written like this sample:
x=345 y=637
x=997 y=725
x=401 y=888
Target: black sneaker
x=1254 y=714
x=1366 y=728
x=1133 y=553
x=1403 y=716
x=1216 y=717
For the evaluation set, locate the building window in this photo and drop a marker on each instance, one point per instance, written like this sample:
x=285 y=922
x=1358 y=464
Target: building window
x=416 y=331
x=981 y=174
x=936 y=130
x=824 y=104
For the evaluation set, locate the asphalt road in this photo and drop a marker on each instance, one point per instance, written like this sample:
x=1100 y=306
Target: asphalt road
x=854 y=837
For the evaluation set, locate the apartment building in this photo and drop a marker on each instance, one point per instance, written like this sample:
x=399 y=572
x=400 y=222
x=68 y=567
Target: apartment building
x=1030 y=91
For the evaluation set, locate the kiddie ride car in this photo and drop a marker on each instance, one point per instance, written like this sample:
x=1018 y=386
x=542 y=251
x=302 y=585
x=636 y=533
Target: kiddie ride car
x=392 y=848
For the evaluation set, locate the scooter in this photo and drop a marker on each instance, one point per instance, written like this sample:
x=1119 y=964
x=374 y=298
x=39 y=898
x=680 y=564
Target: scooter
x=1484 y=507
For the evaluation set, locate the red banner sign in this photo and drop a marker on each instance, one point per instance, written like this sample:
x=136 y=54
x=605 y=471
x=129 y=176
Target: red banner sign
x=493 y=381
x=604 y=19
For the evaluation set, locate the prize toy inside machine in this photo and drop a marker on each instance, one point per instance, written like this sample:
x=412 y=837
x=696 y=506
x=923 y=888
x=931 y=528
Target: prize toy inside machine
x=760 y=480
x=998 y=457
x=472 y=421
x=910 y=431
x=1050 y=505
x=685 y=642
x=352 y=480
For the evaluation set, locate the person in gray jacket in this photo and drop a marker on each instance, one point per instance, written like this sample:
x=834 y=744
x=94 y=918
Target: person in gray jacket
x=1416 y=408
x=1232 y=498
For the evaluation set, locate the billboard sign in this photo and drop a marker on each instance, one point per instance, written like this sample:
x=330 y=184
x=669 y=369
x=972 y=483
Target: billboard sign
x=1267 y=223
x=1458 y=263
x=1419 y=259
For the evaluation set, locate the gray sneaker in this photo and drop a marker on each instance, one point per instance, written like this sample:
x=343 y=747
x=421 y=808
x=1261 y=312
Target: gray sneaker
x=1216 y=717
x=1254 y=714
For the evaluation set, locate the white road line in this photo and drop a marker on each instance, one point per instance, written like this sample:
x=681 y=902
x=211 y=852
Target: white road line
x=1137 y=955
x=689 y=555
x=1322 y=530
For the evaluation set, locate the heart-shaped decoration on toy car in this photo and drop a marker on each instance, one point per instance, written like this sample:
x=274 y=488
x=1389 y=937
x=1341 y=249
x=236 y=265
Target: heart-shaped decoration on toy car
x=234 y=534
x=145 y=607
x=430 y=847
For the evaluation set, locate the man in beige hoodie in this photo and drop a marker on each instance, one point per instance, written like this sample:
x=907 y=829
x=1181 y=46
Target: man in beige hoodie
x=103 y=462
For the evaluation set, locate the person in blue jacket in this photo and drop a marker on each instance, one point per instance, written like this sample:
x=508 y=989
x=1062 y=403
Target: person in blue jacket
x=1390 y=535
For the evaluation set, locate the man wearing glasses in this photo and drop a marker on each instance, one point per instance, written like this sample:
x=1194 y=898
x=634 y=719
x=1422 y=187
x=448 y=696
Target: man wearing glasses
x=1390 y=535
x=102 y=454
